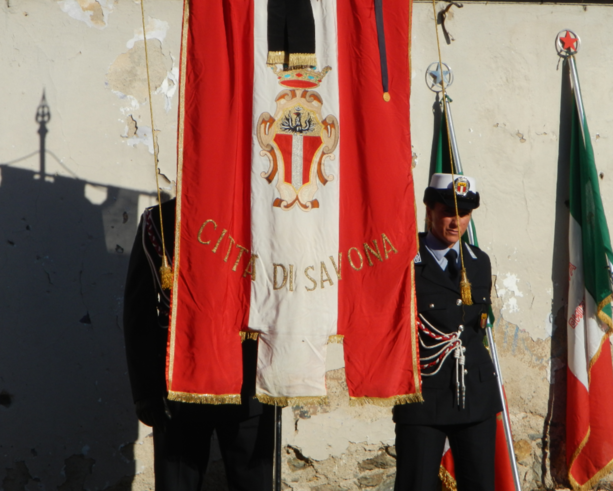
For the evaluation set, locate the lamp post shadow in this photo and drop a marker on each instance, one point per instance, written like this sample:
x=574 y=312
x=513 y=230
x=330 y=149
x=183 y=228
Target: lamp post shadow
x=67 y=419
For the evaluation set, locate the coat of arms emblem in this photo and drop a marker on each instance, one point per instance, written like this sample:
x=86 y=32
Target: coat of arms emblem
x=298 y=140
x=462 y=186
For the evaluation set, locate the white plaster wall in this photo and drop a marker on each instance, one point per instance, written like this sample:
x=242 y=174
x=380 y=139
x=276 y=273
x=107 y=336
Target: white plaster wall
x=507 y=115
x=69 y=419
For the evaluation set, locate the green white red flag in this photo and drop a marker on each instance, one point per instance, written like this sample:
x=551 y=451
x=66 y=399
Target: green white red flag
x=589 y=425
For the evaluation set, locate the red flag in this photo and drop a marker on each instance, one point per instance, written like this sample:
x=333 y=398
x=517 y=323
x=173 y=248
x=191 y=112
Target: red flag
x=295 y=207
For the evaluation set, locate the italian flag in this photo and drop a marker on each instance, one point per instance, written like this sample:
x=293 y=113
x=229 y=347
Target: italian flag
x=295 y=204
x=589 y=431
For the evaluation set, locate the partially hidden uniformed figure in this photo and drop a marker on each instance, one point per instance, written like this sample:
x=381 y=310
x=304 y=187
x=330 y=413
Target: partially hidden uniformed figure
x=182 y=431
x=459 y=384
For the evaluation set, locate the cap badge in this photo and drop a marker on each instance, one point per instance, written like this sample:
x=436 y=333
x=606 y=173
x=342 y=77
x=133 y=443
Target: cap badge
x=462 y=186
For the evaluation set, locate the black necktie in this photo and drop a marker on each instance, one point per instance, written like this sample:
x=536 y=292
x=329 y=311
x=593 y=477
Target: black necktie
x=452 y=265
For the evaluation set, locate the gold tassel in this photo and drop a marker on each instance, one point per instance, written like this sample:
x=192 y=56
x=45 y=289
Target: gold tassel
x=166 y=275
x=467 y=297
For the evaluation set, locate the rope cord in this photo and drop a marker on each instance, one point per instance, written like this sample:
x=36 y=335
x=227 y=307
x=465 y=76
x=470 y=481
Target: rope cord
x=467 y=299
x=448 y=343
x=165 y=269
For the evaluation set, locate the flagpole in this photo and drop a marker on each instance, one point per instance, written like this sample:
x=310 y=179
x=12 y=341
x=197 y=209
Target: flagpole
x=567 y=45
x=277 y=446
x=577 y=90
x=436 y=74
x=456 y=158
x=490 y=338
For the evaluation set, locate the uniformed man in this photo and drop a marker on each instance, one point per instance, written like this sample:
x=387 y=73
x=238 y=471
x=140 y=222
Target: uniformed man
x=182 y=432
x=459 y=385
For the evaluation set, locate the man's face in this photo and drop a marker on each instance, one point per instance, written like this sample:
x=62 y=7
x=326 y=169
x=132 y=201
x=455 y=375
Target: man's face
x=444 y=225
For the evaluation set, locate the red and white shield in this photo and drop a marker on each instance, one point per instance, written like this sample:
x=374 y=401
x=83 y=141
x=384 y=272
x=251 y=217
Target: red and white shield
x=298 y=154
x=297 y=142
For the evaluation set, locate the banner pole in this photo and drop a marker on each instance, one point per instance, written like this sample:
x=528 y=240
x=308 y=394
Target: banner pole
x=490 y=338
x=277 y=449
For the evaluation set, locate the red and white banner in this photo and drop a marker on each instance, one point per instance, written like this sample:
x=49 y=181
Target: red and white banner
x=295 y=207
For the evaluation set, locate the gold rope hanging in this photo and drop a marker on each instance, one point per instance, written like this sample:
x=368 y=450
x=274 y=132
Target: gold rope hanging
x=464 y=283
x=165 y=269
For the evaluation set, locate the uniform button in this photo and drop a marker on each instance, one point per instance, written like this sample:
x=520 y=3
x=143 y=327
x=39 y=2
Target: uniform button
x=431 y=305
x=458 y=301
x=461 y=327
x=484 y=299
x=465 y=371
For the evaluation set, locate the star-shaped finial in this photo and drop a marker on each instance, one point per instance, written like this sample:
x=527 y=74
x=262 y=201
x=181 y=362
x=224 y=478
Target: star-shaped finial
x=569 y=42
x=438 y=75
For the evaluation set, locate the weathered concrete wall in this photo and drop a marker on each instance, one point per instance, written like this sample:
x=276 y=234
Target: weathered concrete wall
x=66 y=415
x=66 y=418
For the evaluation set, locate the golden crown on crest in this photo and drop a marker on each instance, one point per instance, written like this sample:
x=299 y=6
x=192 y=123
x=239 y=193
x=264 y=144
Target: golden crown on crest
x=300 y=78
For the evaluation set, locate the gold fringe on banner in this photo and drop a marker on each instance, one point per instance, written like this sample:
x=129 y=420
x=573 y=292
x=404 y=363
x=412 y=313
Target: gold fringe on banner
x=592 y=481
x=205 y=398
x=603 y=315
x=276 y=58
x=449 y=483
x=302 y=59
x=336 y=339
x=386 y=402
x=249 y=335
x=292 y=401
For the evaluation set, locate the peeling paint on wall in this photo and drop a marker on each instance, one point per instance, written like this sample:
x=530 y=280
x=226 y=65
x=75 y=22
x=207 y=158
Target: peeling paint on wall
x=342 y=424
x=509 y=292
x=128 y=73
x=135 y=134
x=94 y=13
x=76 y=470
x=156 y=29
x=169 y=86
x=17 y=477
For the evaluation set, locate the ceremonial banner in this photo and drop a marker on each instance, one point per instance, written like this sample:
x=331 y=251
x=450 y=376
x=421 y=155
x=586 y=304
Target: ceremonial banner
x=504 y=472
x=589 y=426
x=295 y=201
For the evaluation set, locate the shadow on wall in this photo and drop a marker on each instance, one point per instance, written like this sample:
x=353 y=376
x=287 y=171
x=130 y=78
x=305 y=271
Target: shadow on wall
x=554 y=429
x=66 y=414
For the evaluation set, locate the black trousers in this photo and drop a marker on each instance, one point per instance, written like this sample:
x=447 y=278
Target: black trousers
x=419 y=449
x=181 y=451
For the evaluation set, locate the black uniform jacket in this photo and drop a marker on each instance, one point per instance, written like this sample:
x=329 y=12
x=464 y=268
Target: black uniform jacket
x=146 y=309
x=440 y=302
